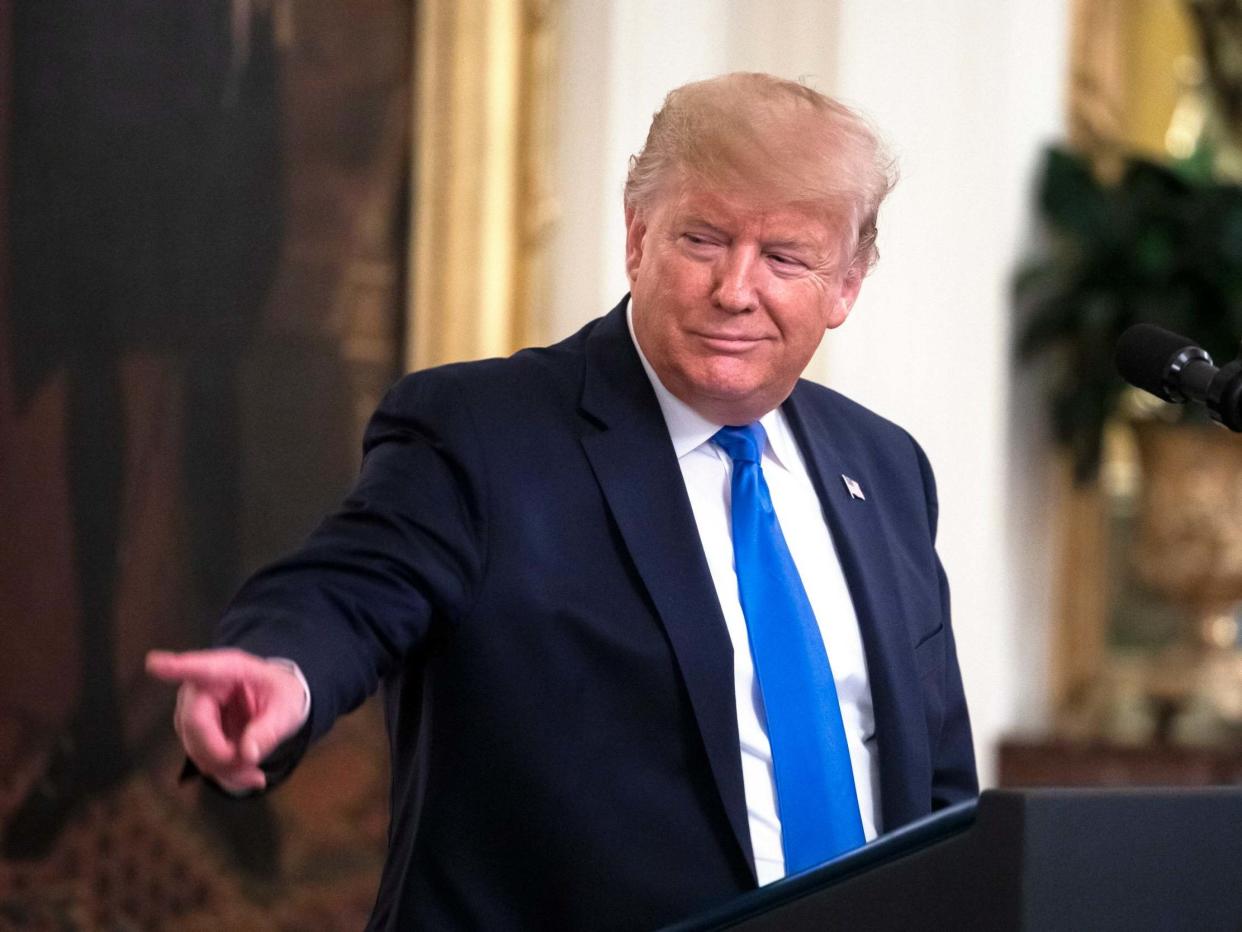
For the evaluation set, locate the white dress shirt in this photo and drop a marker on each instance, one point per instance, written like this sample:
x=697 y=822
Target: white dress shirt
x=707 y=471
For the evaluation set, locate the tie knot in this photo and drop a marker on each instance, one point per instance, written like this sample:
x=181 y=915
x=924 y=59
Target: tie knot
x=743 y=444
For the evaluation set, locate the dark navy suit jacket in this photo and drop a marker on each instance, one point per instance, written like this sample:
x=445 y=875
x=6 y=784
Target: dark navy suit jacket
x=519 y=565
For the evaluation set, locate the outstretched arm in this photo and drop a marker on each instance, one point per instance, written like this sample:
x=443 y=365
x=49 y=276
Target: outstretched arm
x=402 y=554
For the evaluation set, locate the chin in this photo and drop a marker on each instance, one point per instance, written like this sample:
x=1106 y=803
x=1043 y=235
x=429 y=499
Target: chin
x=732 y=407
x=742 y=393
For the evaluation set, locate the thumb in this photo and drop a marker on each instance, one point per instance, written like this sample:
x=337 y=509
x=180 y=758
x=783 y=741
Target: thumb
x=280 y=720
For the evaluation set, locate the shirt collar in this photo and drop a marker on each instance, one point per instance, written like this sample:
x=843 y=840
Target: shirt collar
x=689 y=430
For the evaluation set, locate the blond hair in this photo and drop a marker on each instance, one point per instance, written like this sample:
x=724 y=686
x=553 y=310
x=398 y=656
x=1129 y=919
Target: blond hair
x=757 y=132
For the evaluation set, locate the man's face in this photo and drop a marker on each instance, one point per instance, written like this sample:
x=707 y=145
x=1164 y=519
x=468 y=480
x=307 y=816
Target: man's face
x=732 y=295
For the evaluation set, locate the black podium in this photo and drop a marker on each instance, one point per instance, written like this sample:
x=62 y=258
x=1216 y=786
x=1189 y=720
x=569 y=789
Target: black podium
x=1025 y=860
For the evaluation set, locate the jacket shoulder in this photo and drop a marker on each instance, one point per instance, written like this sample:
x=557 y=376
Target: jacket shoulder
x=842 y=410
x=516 y=387
x=555 y=367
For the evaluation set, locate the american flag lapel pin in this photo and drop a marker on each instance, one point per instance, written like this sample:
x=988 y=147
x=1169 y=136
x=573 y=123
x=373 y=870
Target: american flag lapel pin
x=852 y=486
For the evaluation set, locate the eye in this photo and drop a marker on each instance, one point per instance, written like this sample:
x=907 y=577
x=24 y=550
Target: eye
x=696 y=239
x=784 y=261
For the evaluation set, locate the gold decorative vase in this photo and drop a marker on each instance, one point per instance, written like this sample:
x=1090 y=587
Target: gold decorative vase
x=1189 y=551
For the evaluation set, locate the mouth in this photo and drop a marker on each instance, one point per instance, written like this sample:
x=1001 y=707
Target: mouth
x=729 y=344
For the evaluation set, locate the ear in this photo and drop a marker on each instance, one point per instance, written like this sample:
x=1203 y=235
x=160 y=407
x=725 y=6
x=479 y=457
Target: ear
x=635 y=233
x=845 y=300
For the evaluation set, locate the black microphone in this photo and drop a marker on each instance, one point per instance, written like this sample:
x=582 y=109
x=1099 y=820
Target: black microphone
x=1177 y=369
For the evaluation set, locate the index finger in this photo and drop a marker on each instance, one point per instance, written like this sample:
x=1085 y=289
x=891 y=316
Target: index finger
x=214 y=667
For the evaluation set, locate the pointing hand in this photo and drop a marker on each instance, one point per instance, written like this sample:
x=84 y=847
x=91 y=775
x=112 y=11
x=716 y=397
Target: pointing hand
x=233 y=710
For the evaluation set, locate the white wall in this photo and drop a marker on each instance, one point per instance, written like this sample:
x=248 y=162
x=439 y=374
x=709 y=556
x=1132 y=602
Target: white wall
x=978 y=91
x=965 y=91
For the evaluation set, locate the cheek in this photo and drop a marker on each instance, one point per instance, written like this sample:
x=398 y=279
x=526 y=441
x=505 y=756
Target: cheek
x=809 y=310
x=804 y=330
x=810 y=335
x=675 y=299
x=684 y=277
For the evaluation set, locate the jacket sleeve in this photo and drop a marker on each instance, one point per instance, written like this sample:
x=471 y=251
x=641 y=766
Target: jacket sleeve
x=393 y=568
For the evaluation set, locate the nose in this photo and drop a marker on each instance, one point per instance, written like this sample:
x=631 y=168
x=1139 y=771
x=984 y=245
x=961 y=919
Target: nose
x=736 y=287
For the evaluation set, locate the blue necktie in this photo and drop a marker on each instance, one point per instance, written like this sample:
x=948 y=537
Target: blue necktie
x=815 y=792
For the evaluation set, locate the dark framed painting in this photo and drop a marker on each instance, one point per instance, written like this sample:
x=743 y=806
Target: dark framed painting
x=203 y=268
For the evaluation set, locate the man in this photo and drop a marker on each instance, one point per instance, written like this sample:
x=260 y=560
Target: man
x=605 y=712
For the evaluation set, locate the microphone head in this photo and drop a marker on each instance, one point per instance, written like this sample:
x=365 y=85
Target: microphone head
x=1150 y=358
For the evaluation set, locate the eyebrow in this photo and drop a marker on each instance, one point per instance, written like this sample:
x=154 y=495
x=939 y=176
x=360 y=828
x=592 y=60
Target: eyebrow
x=793 y=244
x=788 y=243
x=696 y=220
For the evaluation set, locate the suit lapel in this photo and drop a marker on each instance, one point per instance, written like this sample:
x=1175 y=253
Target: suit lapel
x=862 y=541
x=634 y=463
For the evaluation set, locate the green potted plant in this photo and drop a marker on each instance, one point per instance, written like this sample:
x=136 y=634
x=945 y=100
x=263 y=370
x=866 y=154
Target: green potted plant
x=1160 y=244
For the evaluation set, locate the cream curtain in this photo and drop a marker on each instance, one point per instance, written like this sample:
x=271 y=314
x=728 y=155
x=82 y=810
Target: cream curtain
x=481 y=206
